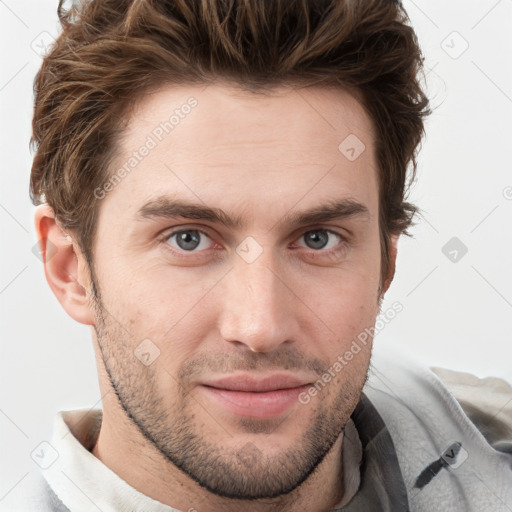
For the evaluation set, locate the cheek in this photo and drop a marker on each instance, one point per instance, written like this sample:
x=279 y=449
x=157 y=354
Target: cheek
x=355 y=319
x=348 y=305
x=169 y=308
x=157 y=294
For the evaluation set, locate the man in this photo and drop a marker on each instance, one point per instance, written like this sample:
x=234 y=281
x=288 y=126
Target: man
x=221 y=191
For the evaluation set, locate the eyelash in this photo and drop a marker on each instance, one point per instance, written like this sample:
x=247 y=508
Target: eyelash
x=314 y=254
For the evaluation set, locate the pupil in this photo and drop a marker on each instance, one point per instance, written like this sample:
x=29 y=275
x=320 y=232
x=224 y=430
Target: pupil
x=188 y=239
x=318 y=240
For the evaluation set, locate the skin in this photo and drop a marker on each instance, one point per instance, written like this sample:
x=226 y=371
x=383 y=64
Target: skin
x=209 y=312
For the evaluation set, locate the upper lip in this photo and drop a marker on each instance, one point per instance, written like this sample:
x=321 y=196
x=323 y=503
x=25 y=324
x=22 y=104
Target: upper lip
x=250 y=383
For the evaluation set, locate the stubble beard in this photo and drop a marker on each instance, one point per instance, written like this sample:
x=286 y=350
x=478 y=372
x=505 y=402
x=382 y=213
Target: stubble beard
x=244 y=473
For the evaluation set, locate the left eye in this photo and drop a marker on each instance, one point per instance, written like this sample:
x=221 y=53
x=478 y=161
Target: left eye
x=319 y=238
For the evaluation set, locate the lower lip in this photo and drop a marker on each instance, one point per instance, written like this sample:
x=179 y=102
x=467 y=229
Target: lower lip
x=256 y=405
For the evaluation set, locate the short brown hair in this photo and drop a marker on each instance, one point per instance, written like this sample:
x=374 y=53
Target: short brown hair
x=111 y=52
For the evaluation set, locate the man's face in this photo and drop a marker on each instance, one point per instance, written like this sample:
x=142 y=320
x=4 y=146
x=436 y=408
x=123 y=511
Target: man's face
x=203 y=324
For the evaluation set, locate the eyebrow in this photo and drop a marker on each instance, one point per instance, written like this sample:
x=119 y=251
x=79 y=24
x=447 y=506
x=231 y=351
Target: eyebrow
x=167 y=208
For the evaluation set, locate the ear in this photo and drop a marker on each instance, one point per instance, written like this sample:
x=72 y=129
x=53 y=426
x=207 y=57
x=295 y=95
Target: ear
x=393 y=248
x=64 y=266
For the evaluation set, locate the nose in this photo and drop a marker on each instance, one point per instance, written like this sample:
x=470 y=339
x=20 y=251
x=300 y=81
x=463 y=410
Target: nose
x=258 y=306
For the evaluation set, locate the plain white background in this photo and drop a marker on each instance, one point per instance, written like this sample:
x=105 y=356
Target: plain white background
x=456 y=307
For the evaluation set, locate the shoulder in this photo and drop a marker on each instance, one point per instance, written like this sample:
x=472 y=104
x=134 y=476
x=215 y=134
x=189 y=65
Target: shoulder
x=486 y=401
x=32 y=493
x=445 y=418
x=437 y=410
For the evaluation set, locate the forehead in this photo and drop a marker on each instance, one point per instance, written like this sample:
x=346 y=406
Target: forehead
x=220 y=143
x=282 y=114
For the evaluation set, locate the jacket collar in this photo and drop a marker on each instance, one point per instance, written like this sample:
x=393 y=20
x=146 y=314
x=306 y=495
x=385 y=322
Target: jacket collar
x=382 y=485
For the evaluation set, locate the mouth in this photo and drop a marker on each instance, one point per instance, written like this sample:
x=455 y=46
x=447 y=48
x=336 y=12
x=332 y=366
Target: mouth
x=245 y=395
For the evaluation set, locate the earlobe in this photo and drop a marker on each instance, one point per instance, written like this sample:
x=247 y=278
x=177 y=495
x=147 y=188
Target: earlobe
x=64 y=266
